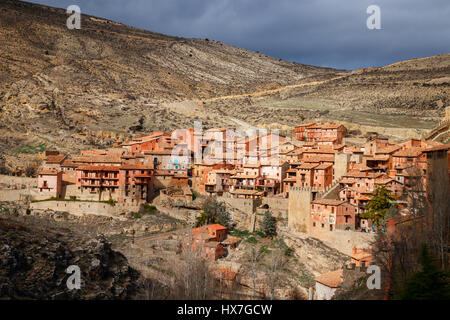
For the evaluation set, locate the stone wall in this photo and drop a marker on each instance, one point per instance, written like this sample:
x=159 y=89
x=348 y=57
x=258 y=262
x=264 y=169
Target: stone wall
x=19 y=181
x=245 y=205
x=14 y=195
x=79 y=208
x=278 y=206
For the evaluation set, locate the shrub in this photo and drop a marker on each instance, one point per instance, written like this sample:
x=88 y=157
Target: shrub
x=214 y=212
x=251 y=239
x=269 y=225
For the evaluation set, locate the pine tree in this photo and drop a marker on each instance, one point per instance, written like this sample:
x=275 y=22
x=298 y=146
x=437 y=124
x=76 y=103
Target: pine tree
x=378 y=206
x=428 y=284
x=269 y=225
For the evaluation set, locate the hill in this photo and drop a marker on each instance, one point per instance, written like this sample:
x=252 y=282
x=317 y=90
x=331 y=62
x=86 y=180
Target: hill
x=72 y=89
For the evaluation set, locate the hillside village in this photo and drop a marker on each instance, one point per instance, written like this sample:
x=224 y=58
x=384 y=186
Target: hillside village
x=317 y=183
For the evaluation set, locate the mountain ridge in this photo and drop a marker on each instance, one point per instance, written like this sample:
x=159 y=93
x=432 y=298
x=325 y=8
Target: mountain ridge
x=74 y=89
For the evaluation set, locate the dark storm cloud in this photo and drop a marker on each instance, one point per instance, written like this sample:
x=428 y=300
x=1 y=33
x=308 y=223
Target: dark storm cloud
x=318 y=32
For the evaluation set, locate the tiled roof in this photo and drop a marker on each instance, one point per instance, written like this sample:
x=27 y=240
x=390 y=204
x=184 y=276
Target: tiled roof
x=98 y=159
x=49 y=172
x=347 y=181
x=68 y=163
x=361 y=255
x=252 y=165
x=328 y=202
x=245 y=176
x=98 y=168
x=307 y=166
x=438 y=148
x=364 y=174
x=323 y=158
x=388 y=149
x=384 y=180
x=246 y=192
x=55 y=158
x=323 y=166
x=136 y=167
x=158 y=152
x=331 y=279
x=410 y=152
x=321 y=151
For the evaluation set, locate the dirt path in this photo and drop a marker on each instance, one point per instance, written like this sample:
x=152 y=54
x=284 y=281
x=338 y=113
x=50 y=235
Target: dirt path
x=269 y=92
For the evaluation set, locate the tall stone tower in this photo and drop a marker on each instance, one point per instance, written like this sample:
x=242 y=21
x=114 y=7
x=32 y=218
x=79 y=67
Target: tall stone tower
x=341 y=161
x=299 y=209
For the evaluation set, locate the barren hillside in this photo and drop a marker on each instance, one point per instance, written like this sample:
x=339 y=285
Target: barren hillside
x=71 y=89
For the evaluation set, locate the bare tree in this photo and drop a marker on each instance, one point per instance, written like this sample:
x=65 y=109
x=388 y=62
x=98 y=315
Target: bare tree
x=193 y=277
x=254 y=255
x=427 y=223
x=274 y=267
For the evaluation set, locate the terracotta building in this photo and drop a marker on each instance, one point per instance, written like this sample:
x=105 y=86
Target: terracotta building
x=321 y=132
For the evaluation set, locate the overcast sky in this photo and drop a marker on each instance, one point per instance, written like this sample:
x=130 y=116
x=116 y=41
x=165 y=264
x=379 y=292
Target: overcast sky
x=331 y=33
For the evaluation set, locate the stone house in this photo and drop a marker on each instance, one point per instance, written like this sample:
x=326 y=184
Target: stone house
x=50 y=183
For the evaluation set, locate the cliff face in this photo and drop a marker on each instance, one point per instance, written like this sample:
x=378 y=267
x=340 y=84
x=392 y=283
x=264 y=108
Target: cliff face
x=33 y=263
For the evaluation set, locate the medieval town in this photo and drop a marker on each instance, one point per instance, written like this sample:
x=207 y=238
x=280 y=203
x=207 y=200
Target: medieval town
x=220 y=158
x=317 y=183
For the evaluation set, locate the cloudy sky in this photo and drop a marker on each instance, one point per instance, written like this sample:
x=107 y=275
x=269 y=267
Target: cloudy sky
x=330 y=33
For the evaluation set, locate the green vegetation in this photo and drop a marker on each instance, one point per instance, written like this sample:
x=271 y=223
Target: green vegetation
x=29 y=148
x=378 y=206
x=111 y=202
x=251 y=239
x=148 y=209
x=214 y=212
x=196 y=195
x=136 y=215
x=245 y=235
x=280 y=244
x=269 y=225
x=264 y=250
x=145 y=209
x=429 y=284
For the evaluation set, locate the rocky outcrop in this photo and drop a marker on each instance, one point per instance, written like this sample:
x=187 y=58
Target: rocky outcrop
x=33 y=263
x=317 y=257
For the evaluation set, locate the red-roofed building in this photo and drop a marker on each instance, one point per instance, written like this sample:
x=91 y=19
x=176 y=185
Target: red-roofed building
x=207 y=241
x=321 y=132
x=327 y=284
x=53 y=161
